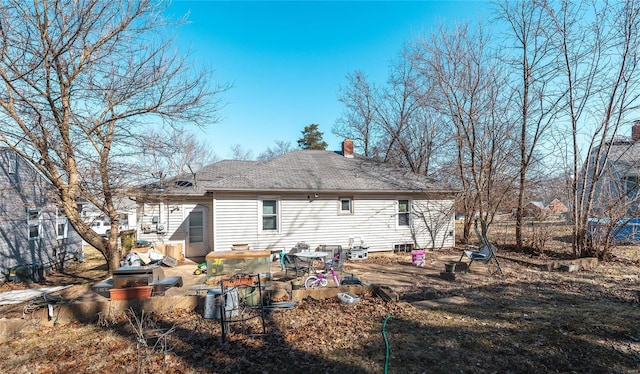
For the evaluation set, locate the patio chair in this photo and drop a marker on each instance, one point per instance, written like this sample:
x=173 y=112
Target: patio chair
x=293 y=264
x=338 y=266
x=332 y=250
x=484 y=253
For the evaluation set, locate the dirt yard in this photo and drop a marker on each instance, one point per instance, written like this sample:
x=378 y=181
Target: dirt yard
x=525 y=321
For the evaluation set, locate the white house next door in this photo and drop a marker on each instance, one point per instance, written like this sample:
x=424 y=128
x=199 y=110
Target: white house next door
x=197 y=234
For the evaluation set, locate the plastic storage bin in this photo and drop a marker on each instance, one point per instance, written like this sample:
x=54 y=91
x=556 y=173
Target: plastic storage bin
x=348 y=298
x=227 y=263
x=417 y=257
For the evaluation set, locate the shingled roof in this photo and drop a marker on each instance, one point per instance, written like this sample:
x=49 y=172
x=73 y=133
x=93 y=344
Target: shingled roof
x=304 y=171
x=625 y=154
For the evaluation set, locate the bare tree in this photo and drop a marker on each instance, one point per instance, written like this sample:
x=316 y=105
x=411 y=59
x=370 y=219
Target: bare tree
x=534 y=67
x=357 y=120
x=395 y=122
x=599 y=48
x=400 y=110
x=239 y=153
x=470 y=88
x=83 y=84
x=282 y=147
x=173 y=152
x=616 y=203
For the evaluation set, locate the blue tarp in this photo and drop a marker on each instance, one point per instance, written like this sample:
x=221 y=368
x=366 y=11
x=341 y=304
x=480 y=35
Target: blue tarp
x=626 y=231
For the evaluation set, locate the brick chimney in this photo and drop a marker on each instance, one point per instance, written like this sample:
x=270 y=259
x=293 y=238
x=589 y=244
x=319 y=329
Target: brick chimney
x=635 y=131
x=347 y=146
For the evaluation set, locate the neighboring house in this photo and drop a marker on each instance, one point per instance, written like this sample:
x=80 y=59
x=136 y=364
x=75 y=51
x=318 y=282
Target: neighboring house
x=34 y=233
x=317 y=197
x=616 y=193
x=534 y=209
x=125 y=207
x=556 y=207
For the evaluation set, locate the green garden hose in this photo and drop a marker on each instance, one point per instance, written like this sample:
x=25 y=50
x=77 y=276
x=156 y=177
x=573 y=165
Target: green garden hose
x=386 y=342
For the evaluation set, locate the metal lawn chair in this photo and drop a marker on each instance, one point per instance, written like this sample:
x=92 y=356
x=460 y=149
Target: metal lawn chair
x=337 y=263
x=293 y=263
x=334 y=253
x=485 y=252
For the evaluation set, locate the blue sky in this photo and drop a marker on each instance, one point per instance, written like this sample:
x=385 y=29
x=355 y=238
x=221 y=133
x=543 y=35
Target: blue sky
x=287 y=60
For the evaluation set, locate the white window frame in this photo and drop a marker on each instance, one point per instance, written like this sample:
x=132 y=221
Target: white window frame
x=12 y=165
x=407 y=213
x=343 y=212
x=61 y=219
x=34 y=219
x=403 y=247
x=276 y=215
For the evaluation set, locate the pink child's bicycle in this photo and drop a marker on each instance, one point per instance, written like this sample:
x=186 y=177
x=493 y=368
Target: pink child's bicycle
x=321 y=279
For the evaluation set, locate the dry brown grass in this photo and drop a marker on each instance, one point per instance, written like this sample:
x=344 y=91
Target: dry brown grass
x=527 y=321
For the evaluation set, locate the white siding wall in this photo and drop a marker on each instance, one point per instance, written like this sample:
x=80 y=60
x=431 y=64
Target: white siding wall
x=173 y=215
x=144 y=215
x=433 y=223
x=238 y=220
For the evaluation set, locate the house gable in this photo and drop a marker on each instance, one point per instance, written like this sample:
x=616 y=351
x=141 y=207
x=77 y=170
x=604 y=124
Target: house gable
x=32 y=230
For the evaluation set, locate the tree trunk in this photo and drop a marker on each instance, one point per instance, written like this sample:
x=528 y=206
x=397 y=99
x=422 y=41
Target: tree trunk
x=520 y=215
x=108 y=247
x=113 y=261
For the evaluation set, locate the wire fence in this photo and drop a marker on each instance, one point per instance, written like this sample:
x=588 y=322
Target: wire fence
x=538 y=234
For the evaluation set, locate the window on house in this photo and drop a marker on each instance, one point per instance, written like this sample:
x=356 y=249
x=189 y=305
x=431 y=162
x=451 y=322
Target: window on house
x=124 y=221
x=630 y=184
x=61 y=226
x=269 y=214
x=34 y=221
x=406 y=247
x=404 y=210
x=12 y=164
x=62 y=230
x=345 y=205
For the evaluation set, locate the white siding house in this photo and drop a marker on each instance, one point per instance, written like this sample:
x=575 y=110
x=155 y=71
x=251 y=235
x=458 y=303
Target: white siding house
x=317 y=197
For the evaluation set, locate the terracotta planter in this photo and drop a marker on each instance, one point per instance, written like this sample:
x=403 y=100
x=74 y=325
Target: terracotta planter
x=240 y=280
x=130 y=293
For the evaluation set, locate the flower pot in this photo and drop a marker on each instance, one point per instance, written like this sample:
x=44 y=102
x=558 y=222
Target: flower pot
x=251 y=295
x=295 y=285
x=449 y=267
x=130 y=293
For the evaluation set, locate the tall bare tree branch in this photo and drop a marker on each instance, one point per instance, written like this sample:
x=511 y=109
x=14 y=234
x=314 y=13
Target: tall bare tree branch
x=83 y=83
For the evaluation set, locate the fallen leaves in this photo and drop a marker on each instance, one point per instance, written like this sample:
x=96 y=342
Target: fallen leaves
x=527 y=321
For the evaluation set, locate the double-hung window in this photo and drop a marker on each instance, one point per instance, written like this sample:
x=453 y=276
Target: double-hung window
x=62 y=225
x=11 y=167
x=404 y=212
x=270 y=215
x=34 y=220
